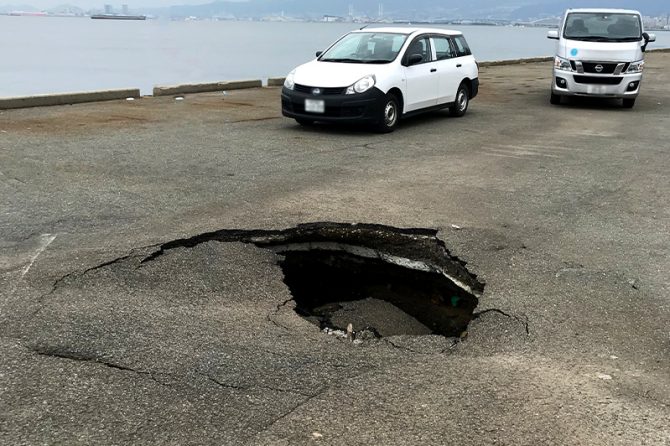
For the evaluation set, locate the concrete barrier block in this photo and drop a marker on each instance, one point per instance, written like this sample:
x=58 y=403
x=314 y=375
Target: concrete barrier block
x=206 y=87
x=67 y=98
x=497 y=63
x=276 y=81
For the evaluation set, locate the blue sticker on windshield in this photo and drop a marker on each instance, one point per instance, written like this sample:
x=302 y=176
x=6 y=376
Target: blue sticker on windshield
x=574 y=52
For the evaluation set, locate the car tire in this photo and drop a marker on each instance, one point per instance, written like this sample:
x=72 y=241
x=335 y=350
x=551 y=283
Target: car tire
x=304 y=122
x=629 y=103
x=555 y=99
x=460 y=107
x=390 y=115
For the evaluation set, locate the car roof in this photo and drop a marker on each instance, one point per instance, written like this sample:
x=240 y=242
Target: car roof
x=410 y=30
x=605 y=11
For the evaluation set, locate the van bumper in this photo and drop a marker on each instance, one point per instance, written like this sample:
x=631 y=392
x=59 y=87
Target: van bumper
x=363 y=107
x=606 y=86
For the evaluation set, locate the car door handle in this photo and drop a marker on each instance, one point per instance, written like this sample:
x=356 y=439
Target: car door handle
x=432 y=70
x=459 y=65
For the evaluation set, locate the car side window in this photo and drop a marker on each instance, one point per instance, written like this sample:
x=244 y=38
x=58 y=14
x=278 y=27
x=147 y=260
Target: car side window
x=462 y=48
x=421 y=46
x=443 y=49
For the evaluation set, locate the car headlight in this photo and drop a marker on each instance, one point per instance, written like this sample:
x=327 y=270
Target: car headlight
x=636 y=67
x=562 y=64
x=288 y=82
x=362 y=85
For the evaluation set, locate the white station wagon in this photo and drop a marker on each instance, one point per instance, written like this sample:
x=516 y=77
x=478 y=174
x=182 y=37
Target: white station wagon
x=378 y=75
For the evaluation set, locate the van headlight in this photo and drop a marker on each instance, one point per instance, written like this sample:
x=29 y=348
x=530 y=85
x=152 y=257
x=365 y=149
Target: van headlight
x=362 y=85
x=636 y=67
x=289 y=83
x=562 y=64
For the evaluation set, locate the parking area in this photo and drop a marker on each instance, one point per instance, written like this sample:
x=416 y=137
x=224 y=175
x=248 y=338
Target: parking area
x=560 y=210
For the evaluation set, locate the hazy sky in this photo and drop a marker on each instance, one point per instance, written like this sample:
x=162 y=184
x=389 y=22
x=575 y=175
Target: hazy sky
x=88 y=4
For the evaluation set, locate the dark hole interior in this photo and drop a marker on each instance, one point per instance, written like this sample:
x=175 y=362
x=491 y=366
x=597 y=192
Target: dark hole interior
x=335 y=288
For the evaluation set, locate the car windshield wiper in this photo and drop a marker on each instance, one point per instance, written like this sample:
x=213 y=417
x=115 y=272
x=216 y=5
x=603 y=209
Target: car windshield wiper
x=343 y=60
x=625 y=39
x=589 y=38
x=377 y=61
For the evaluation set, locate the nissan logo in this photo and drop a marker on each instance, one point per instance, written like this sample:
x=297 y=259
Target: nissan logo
x=316 y=91
x=599 y=68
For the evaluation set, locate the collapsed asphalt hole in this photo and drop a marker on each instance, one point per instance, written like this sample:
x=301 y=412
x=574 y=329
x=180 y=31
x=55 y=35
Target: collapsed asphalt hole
x=335 y=288
x=382 y=280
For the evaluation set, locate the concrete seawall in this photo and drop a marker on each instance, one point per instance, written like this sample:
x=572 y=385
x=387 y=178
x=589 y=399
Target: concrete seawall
x=67 y=98
x=206 y=87
x=109 y=95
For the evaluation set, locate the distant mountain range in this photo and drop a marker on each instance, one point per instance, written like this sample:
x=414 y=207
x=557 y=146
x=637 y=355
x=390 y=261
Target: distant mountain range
x=415 y=10
x=393 y=9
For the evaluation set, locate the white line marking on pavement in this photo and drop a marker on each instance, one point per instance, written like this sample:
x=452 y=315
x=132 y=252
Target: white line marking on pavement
x=45 y=241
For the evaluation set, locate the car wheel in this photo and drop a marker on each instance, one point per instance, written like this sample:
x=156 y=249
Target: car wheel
x=304 y=122
x=555 y=99
x=629 y=103
x=462 y=101
x=390 y=115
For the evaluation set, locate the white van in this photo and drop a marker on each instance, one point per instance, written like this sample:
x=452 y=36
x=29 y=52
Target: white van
x=599 y=53
x=378 y=75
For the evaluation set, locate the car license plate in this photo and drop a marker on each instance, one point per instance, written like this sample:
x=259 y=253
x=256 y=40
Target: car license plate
x=315 y=106
x=596 y=89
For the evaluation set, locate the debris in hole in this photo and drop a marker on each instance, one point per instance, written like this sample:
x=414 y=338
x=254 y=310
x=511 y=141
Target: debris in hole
x=364 y=281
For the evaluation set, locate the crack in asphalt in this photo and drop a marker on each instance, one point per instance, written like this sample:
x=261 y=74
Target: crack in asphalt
x=57 y=283
x=278 y=308
x=89 y=358
x=242 y=388
x=523 y=320
x=454 y=343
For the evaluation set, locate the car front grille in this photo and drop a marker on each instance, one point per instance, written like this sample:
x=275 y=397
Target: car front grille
x=326 y=91
x=606 y=68
x=598 y=80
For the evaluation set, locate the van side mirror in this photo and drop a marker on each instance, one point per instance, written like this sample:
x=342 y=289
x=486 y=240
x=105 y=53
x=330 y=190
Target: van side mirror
x=647 y=38
x=319 y=53
x=414 y=59
x=553 y=34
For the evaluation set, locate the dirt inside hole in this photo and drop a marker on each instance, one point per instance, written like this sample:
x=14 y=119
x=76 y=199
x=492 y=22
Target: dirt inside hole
x=335 y=288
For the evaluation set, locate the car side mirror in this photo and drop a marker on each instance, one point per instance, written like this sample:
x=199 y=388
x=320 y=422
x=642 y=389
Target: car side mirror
x=647 y=38
x=414 y=59
x=553 y=34
x=319 y=53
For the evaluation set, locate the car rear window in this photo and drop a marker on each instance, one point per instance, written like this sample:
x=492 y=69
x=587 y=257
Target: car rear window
x=462 y=48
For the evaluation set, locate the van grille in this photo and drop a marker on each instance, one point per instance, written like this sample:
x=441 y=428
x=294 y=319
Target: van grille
x=598 y=80
x=607 y=68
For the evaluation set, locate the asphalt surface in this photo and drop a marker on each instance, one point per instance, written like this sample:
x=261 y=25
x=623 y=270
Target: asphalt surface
x=562 y=211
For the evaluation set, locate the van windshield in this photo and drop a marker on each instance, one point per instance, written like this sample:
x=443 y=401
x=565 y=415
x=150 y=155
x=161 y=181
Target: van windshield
x=603 y=27
x=371 y=48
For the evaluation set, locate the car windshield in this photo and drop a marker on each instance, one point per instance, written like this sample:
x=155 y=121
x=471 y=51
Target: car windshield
x=369 y=47
x=603 y=27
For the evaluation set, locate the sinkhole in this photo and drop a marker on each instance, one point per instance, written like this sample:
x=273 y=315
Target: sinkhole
x=334 y=288
x=371 y=279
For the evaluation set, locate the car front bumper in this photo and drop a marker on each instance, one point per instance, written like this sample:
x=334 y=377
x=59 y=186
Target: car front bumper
x=565 y=83
x=362 y=107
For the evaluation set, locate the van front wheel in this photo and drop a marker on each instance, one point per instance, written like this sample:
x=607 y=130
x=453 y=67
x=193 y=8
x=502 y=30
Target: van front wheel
x=555 y=99
x=629 y=103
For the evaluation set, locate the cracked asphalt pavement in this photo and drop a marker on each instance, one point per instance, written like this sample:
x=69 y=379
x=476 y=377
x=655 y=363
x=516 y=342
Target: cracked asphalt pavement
x=562 y=211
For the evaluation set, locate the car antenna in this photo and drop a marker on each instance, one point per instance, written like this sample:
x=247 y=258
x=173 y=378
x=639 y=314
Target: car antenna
x=363 y=27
